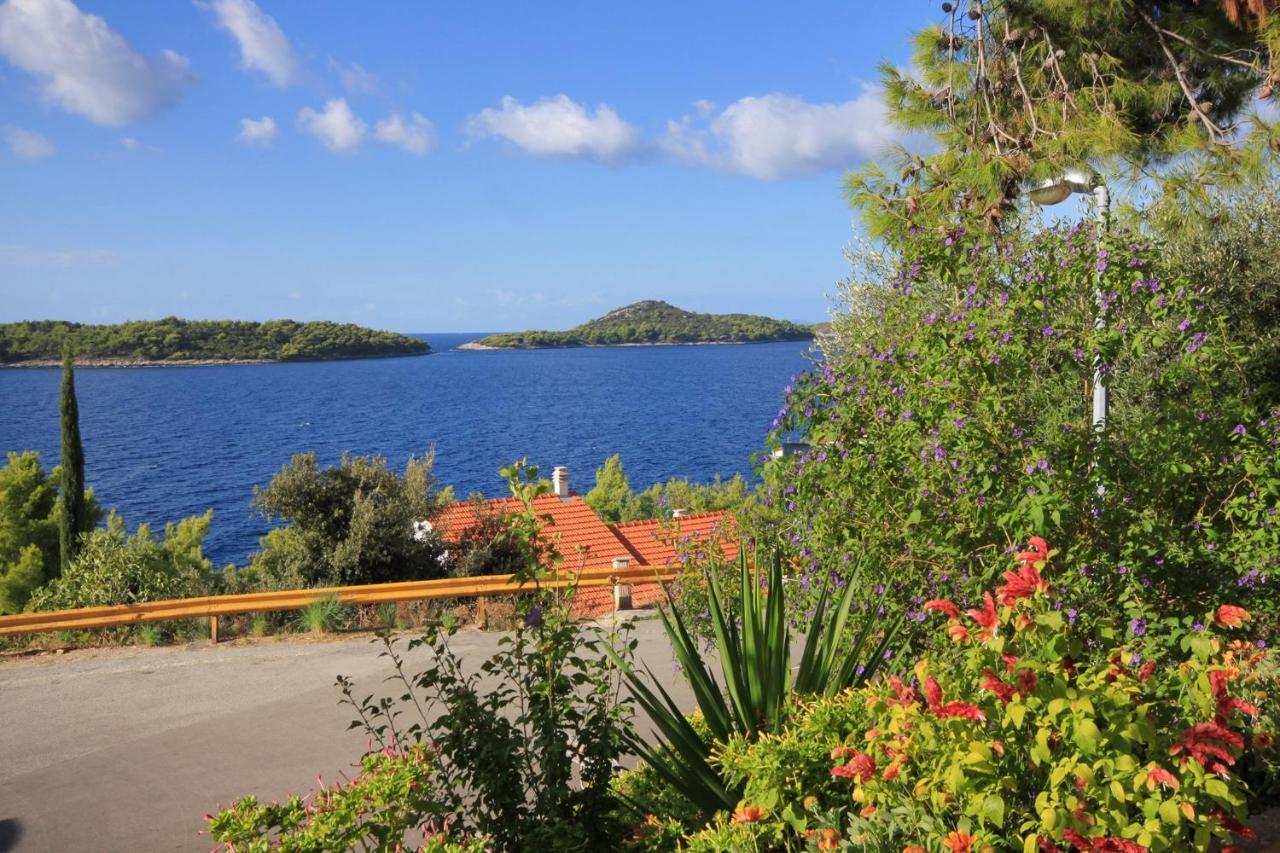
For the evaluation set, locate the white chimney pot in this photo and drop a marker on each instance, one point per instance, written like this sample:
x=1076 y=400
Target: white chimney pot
x=560 y=482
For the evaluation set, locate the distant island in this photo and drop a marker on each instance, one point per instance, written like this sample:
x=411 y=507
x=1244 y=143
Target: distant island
x=172 y=341
x=653 y=322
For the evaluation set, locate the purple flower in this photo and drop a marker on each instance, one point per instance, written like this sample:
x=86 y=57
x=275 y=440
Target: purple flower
x=533 y=618
x=1138 y=627
x=1072 y=613
x=1239 y=430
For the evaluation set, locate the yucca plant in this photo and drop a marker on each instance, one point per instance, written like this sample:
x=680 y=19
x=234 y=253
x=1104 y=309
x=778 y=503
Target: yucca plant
x=753 y=645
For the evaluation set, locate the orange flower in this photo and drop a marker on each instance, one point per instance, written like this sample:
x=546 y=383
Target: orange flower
x=1230 y=616
x=958 y=842
x=891 y=772
x=748 y=814
x=959 y=633
x=830 y=840
x=914 y=849
x=1160 y=776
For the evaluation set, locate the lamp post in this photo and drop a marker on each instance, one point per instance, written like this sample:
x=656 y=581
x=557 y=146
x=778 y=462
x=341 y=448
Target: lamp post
x=1054 y=191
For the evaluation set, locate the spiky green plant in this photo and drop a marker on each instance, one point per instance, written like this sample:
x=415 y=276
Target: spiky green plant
x=753 y=646
x=324 y=614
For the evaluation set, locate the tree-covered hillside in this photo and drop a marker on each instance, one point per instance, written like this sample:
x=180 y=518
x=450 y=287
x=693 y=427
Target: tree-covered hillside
x=656 y=322
x=177 y=340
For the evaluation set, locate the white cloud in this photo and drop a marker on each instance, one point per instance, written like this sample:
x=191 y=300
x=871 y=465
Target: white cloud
x=257 y=131
x=336 y=126
x=776 y=136
x=558 y=127
x=86 y=68
x=130 y=143
x=415 y=135
x=27 y=144
x=356 y=79
x=263 y=45
x=29 y=256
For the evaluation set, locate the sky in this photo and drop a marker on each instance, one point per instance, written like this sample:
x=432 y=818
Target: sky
x=433 y=166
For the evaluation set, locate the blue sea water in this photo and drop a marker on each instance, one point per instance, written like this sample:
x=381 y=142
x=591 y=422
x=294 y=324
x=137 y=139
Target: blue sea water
x=167 y=442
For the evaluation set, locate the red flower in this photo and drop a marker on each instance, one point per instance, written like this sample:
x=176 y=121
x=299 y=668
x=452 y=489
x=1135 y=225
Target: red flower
x=1210 y=744
x=1230 y=616
x=1145 y=673
x=748 y=814
x=943 y=606
x=904 y=695
x=1234 y=826
x=1027 y=681
x=1226 y=702
x=932 y=692
x=1046 y=845
x=1108 y=845
x=1024 y=583
x=992 y=682
x=986 y=617
x=960 y=709
x=958 y=842
x=1160 y=776
x=860 y=768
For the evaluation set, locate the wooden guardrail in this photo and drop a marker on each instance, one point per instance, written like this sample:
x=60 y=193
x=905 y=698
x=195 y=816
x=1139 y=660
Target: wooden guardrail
x=213 y=606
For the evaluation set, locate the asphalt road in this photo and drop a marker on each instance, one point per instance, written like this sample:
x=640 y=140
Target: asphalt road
x=128 y=749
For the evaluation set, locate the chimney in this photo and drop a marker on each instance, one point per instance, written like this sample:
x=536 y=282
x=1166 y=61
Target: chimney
x=621 y=562
x=560 y=482
x=679 y=513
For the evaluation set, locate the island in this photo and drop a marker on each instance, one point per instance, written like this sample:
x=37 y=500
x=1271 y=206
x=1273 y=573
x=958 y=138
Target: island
x=173 y=341
x=653 y=322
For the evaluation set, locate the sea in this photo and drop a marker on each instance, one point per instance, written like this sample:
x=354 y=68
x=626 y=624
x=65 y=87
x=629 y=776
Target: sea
x=163 y=443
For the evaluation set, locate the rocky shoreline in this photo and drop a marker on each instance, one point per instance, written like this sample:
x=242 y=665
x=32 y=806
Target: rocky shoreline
x=189 y=362
x=476 y=346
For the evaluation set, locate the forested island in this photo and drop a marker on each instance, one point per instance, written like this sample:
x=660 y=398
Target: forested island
x=175 y=341
x=653 y=322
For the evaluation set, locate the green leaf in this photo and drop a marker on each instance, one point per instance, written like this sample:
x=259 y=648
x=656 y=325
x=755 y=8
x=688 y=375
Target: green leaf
x=993 y=809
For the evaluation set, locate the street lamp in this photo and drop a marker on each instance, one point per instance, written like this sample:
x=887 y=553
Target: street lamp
x=1054 y=191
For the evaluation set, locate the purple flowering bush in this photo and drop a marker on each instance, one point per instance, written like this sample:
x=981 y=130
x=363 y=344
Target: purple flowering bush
x=960 y=411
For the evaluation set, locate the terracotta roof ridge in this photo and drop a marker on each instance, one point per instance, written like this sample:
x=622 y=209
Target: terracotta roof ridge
x=639 y=521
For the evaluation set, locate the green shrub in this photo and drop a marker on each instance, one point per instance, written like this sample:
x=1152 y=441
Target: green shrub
x=381 y=808
x=1011 y=738
x=29 y=549
x=114 y=567
x=353 y=523
x=324 y=615
x=960 y=411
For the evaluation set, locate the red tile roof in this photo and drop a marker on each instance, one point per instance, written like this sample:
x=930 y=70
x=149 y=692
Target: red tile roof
x=658 y=547
x=576 y=526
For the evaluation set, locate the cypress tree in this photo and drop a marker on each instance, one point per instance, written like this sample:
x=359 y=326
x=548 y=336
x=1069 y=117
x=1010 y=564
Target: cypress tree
x=71 y=516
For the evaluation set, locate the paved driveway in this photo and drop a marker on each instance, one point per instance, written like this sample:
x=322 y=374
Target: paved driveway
x=127 y=749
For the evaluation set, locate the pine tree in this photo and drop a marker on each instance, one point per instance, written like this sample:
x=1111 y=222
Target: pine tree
x=1159 y=94
x=72 y=508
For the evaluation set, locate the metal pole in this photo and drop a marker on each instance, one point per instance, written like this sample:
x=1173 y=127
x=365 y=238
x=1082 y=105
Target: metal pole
x=1103 y=199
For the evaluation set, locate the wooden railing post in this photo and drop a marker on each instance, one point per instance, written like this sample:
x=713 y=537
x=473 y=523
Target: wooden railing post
x=482 y=612
x=213 y=630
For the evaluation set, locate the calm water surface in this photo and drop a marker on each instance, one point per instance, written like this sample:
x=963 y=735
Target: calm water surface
x=163 y=443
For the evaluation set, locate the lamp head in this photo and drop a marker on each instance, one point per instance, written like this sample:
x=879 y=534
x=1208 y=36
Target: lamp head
x=1056 y=190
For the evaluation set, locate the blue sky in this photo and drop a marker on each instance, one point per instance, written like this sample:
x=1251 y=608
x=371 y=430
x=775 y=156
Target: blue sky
x=432 y=167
